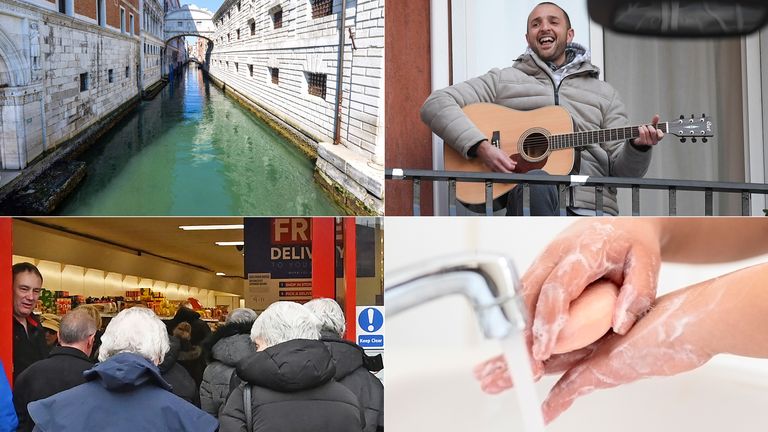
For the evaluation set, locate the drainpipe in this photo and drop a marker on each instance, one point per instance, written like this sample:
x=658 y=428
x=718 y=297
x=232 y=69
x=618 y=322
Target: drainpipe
x=340 y=73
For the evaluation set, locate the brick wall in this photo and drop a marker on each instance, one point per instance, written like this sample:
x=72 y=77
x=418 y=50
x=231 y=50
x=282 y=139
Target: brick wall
x=87 y=8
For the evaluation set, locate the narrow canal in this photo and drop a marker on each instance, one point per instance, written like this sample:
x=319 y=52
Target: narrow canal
x=194 y=151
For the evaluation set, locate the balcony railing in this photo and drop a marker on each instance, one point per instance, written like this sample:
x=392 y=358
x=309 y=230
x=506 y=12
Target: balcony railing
x=746 y=190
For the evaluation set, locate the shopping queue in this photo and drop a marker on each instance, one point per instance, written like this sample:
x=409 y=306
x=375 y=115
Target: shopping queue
x=263 y=373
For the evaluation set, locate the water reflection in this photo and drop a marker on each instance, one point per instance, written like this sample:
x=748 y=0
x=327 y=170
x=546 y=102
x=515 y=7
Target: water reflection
x=193 y=151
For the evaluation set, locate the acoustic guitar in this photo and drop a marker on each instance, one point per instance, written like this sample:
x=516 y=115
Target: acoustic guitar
x=549 y=145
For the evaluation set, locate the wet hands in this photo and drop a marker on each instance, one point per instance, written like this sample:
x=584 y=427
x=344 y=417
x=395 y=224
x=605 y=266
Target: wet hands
x=627 y=254
x=666 y=341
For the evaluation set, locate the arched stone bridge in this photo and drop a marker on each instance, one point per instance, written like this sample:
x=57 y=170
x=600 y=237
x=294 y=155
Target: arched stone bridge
x=189 y=20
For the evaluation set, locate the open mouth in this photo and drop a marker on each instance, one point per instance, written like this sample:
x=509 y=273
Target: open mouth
x=546 y=41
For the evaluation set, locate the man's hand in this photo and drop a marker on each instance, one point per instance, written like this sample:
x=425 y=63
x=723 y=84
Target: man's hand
x=649 y=135
x=495 y=159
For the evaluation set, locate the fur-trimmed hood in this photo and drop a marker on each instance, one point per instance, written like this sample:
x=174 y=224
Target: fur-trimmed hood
x=230 y=343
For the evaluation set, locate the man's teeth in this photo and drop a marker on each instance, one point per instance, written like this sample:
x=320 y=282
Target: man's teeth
x=546 y=40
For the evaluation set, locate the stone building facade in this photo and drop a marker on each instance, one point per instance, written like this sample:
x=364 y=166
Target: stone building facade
x=282 y=56
x=152 y=42
x=63 y=66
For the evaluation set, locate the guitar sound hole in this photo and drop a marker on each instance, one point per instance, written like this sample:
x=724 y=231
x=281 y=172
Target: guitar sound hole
x=535 y=146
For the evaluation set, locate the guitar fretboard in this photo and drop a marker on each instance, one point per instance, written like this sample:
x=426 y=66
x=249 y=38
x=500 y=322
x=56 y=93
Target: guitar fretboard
x=580 y=139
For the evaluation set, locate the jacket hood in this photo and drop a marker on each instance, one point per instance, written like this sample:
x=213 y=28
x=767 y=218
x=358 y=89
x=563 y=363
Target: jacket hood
x=184 y=314
x=347 y=356
x=230 y=343
x=531 y=64
x=126 y=371
x=172 y=356
x=291 y=366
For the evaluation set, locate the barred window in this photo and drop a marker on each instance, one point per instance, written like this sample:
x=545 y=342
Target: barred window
x=110 y=75
x=250 y=69
x=237 y=69
x=316 y=83
x=238 y=34
x=277 y=19
x=84 y=81
x=275 y=72
x=253 y=28
x=321 y=8
x=127 y=71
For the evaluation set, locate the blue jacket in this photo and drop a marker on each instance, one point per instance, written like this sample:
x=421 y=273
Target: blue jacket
x=8 y=420
x=123 y=393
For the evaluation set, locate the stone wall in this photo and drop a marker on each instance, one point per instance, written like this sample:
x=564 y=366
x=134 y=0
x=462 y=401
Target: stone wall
x=304 y=45
x=47 y=106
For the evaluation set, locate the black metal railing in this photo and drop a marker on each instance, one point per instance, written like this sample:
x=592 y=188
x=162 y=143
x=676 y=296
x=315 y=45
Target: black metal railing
x=746 y=190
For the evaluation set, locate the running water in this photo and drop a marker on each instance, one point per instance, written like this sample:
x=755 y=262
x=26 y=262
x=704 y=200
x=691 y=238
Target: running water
x=516 y=353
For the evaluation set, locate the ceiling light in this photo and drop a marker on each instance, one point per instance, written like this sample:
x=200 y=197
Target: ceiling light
x=220 y=274
x=230 y=243
x=210 y=227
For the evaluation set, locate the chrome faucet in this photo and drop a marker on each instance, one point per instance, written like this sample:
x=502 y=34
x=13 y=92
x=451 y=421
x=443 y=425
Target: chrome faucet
x=488 y=282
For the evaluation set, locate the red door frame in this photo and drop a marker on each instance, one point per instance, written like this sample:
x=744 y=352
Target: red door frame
x=6 y=296
x=350 y=277
x=323 y=258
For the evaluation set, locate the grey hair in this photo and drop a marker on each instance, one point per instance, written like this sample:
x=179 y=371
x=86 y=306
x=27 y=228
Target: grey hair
x=330 y=314
x=241 y=315
x=76 y=326
x=136 y=330
x=283 y=321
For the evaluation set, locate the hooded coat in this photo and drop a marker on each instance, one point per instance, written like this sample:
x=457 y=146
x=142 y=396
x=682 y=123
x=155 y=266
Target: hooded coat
x=182 y=384
x=292 y=389
x=190 y=355
x=351 y=371
x=125 y=393
x=225 y=348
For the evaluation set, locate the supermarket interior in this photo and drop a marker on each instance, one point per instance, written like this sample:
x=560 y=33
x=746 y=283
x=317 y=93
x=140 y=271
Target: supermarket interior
x=217 y=264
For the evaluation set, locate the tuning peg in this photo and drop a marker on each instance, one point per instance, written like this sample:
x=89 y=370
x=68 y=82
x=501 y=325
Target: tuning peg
x=693 y=140
x=704 y=140
x=682 y=140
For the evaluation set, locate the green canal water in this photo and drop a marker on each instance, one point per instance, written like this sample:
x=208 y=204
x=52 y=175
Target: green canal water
x=193 y=151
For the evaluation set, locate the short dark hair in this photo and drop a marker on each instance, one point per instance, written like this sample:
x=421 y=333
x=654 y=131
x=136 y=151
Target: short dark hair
x=567 y=18
x=26 y=267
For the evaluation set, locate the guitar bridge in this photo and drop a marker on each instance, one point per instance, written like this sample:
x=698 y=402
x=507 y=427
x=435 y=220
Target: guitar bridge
x=496 y=139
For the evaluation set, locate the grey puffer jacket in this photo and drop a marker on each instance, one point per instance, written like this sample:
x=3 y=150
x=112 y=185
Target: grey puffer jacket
x=529 y=84
x=225 y=348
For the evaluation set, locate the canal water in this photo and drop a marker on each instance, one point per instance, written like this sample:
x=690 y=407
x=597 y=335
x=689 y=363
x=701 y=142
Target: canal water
x=194 y=151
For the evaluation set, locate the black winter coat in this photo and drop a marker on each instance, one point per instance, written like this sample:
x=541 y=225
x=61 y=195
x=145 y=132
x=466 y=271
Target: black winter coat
x=292 y=389
x=182 y=384
x=351 y=371
x=190 y=355
x=28 y=346
x=62 y=370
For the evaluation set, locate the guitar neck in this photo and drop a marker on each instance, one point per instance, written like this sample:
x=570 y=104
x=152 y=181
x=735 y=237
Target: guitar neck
x=581 y=139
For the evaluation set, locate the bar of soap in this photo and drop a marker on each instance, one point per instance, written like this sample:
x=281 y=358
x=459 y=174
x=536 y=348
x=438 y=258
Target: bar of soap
x=590 y=317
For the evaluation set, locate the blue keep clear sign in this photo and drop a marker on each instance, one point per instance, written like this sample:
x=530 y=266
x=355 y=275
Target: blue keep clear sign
x=370 y=326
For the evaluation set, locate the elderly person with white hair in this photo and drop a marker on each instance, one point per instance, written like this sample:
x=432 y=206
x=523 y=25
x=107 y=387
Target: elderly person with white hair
x=288 y=384
x=124 y=392
x=228 y=345
x=353 y=365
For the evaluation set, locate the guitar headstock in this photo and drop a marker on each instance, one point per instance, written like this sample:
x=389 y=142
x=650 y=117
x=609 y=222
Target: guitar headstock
x=693 y=128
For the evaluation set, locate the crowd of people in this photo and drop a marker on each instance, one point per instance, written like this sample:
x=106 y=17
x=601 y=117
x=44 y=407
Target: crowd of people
x=286 y=369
